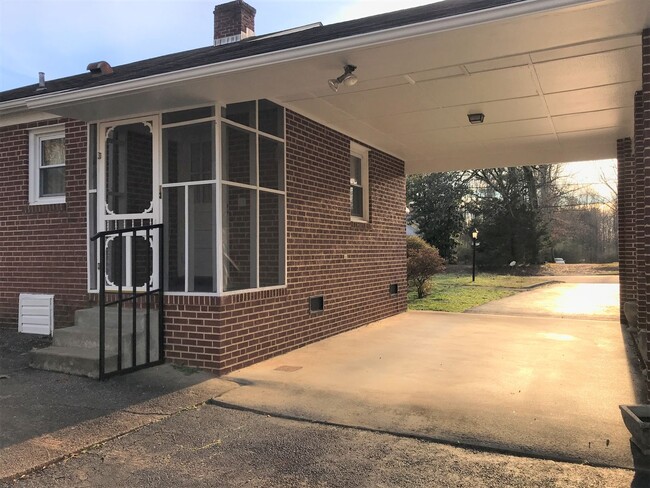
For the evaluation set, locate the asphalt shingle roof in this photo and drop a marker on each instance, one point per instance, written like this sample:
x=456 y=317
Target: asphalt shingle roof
x=259 y=45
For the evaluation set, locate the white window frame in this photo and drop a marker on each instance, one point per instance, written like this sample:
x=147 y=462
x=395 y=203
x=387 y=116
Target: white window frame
x=36 y=137
x=256 y=188
x=361 y=152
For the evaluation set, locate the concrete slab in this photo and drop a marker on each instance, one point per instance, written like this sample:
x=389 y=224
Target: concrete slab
x=537 y=386
x=591 y=300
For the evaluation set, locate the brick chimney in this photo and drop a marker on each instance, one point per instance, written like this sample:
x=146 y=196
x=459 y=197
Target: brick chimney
x=233 y=21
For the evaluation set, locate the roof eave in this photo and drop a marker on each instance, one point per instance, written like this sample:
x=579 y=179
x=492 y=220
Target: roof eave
x=51 y=101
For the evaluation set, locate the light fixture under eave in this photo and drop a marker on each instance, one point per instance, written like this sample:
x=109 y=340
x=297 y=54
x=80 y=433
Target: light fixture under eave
x=347 y=78
x=476 y=118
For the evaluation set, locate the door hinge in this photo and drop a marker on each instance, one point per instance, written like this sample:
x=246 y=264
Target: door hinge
x=159 y=191
x=99 y=155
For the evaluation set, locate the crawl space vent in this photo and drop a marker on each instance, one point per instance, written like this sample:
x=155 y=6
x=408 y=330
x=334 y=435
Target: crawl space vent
x=36 y=314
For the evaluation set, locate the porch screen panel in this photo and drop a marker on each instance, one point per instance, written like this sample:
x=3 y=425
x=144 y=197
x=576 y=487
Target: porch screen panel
x=239 y=238
x=239 y=155
x=271 y=170
x=188 y=153
x=174 y=235
x=202 y=238
x=271 y=231
x=189 y=206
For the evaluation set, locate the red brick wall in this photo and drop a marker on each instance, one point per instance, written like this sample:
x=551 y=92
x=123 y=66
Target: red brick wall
x=638 y=189
x=643 y=278
x=43 y=248
x=351 y=264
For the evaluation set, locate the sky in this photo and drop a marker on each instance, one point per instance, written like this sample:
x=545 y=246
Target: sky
x=601 y=176
x=61 y=37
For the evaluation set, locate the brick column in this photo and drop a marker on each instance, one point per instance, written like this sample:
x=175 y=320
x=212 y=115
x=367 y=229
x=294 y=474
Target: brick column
x=639 y=209
x=643 y=277
x=626 y=231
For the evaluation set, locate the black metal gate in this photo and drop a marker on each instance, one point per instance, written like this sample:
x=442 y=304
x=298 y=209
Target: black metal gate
x=128 y=337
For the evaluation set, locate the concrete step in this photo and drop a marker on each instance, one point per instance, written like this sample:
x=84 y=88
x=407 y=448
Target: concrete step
x=90 y=316
x=79 y=361
x=75 y=350
x=88 y=336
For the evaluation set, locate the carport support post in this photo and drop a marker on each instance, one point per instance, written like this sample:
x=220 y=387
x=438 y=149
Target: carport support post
x=646 y=194
x=626 y=231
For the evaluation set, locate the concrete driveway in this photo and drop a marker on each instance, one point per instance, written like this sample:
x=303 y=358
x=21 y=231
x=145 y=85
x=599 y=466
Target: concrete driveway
x=543 y=387
x=576 y=297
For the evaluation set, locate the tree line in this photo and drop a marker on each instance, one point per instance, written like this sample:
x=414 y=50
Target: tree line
x=525 y=214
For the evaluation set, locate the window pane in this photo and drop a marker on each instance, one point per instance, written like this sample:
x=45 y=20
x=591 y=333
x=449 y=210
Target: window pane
x=174 y=219
x=239 y=238
x=202 y=238
x=356 y=201
x=188 y=153
x=239 y=155
x=271 y=163
x=271 y=118
x=52 y=181
x=271 y=239
x=243 y=113
x=355 y=171
x=52 y=152
x=129 y=169
x=184 y=115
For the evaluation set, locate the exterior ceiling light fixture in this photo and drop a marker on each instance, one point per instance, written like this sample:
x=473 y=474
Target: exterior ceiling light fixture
x=476 y=118
x=347 y=78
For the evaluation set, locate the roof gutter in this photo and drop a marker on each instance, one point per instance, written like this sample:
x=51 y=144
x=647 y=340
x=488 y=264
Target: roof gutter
x=42 y=102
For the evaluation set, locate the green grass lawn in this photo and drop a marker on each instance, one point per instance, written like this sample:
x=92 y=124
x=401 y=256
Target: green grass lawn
x=457 y=293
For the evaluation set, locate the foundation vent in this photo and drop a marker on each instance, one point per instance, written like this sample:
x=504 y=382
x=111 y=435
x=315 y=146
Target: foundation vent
x=36 y=314
x=316 y=304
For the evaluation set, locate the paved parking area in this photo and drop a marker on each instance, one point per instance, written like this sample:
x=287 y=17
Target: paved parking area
x=539 y=386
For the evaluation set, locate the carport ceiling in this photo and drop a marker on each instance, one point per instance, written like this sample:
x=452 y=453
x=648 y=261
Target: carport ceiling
x=556 y=86
x=554 y=78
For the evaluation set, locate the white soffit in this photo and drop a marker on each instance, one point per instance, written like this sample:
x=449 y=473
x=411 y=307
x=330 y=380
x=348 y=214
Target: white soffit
x=554 y=86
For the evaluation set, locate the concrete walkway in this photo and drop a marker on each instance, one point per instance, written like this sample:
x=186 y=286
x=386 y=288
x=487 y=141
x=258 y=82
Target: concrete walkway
x=577 y=297
x=538 y=386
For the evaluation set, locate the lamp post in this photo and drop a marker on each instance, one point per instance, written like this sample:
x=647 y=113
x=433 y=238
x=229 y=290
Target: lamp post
x=474 y=237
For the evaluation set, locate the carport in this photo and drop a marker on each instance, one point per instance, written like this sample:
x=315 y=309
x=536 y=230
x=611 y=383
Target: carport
x=556 y=81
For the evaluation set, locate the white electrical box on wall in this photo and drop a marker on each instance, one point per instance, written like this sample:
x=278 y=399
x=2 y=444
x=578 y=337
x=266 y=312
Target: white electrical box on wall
x=36 y=314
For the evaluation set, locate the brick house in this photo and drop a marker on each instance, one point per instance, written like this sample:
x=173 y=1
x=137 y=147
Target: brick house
x=279 y=179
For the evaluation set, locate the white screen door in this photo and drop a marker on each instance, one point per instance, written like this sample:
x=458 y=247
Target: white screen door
x=127 y=198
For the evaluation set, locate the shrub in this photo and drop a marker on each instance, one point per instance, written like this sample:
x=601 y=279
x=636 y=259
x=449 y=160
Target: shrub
x=422 y=262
